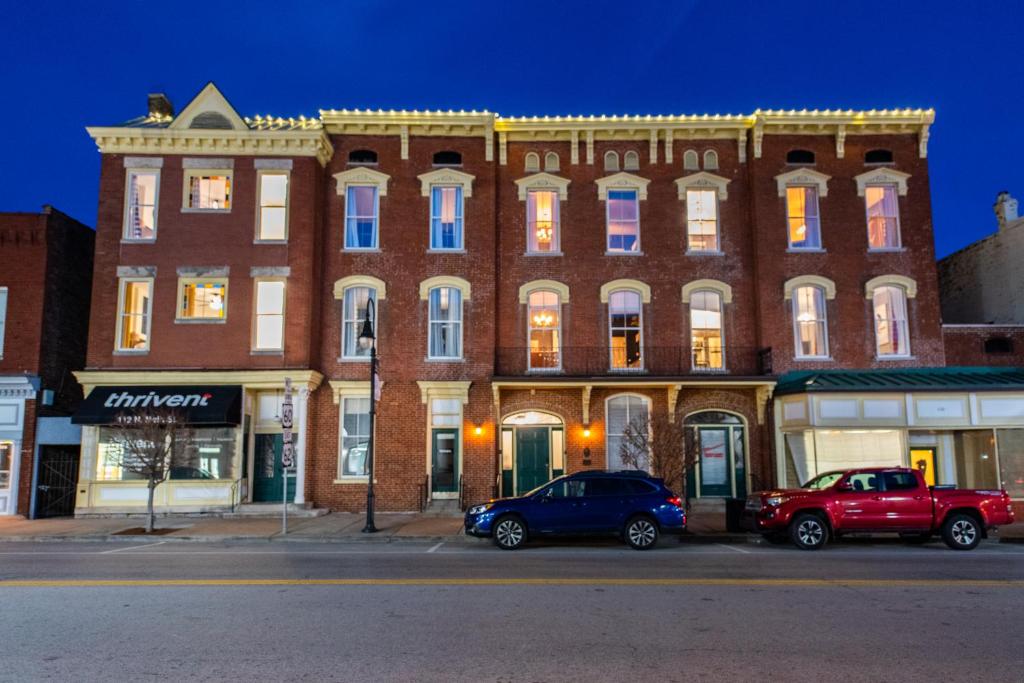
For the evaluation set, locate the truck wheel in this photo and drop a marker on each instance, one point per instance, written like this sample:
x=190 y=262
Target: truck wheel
x=509 y=532
x=808 y=532
x=961 y=532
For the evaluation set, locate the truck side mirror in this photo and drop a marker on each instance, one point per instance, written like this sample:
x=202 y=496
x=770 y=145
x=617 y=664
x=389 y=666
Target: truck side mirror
x=844 y=487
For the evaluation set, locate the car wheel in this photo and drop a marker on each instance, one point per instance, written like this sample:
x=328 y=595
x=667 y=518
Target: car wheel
x=961 y=532
x=509 y=533
x=808 y=532
x=641 y=533
x=915 y=539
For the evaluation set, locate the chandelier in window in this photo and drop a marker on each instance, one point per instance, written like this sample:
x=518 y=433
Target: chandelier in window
x=543 y=319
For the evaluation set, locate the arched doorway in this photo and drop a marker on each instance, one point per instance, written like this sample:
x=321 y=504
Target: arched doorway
x=532 y=450
x=719 y=440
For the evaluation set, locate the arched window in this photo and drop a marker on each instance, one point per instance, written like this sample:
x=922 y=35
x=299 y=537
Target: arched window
x=718 y=441
x=447 y=158
x=611 y=161
x=799 y=156
x=706 y=333
x=711 y=160
x=545 y=330
x=551 y=162
x=691 y=162
x=626 y=410
x=355 y=302
x=878 y=156
x=625 y=329
x=445 y=321
x=631 y=161
x=211 y=120
x=362 y=157
x=810 y=324
x=892 y=334
x=532 y=162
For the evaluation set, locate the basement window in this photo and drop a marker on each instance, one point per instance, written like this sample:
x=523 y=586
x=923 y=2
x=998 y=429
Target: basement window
x=998 y=345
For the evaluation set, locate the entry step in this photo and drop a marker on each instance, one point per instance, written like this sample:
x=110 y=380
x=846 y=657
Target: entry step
x=443 y=507
x=275 y=510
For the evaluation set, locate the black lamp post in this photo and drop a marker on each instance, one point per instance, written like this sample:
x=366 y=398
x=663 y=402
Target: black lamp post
x=367 y=341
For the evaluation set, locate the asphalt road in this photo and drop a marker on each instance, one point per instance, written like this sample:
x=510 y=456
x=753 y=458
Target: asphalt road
x=467 y=612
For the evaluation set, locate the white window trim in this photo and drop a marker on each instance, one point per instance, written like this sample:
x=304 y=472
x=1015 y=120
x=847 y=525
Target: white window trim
x=376 y=317
x=803 y=176
x=259 y=204
x=376 y=221
x=342 y=389
x=817 y=206
x=704 y=181
x=882 y=176
x=557 y=241
x=874 y=324
x=687 y=298
x=530 y=328
x=607 y=432
x=607 y=223
x=909 y=285
x=461 y=324
x=4 y=296
x=186 y=196
x=867 y=216
x=461 y=212
x=611 y=351
x=723 y=289
x=794 y=309
x=255 y=316
x=129 y=172
x=122 y=288
x=182 y=282
x=446 y=176
x=543 y=181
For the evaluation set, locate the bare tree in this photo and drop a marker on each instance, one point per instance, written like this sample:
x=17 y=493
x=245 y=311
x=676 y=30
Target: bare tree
x=150 y=444
x=658 y=445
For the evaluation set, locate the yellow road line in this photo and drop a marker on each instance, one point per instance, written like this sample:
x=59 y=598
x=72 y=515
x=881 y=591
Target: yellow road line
x=826 y=583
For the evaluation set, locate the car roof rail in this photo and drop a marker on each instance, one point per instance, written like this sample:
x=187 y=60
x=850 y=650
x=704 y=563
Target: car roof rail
x=617 y=473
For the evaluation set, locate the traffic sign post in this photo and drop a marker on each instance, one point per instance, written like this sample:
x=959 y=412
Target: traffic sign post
x=287 y=450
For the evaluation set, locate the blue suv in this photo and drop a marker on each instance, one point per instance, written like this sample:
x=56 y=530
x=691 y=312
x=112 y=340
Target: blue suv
x=634 y=504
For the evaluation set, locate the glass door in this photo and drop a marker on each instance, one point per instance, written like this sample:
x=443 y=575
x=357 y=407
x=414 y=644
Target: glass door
x=445 y=461
x=715 y=462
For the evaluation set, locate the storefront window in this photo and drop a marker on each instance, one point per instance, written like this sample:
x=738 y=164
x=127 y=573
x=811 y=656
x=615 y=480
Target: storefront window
x=809 y=454
x=6 y=456
x=976 y=459
x=1011 y=460
x=209 y=454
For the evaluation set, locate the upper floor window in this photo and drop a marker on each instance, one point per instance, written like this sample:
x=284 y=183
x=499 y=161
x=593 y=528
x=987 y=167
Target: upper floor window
x=355 y=303
x=141 y=205
x=446 y=218
x=611 y=161
x=883 y=216
x=625 y=329
x=710 y=160
x=799 y=156
x=702 y=220
x=447 y=158
x=623 y=221
x=3 y=318
x=892 y=335
x=542 y=221
x=545 y=330
x=361 y=205
x=691 y=161
x=531 y=163
x=551 y=164
x=631 y=161
x=809 y=321
x=363 y=157
x=802 y=217
x=706 y=335
x=268 y=331
x=878 y=156
x=208 y=190
x=202 y=299
x=134 y=318
x=273 y=206
x=445 y=320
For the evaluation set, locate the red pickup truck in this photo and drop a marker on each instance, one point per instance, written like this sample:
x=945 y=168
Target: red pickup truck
x=876 y=500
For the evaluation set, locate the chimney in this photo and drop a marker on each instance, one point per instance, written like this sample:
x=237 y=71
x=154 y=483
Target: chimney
x=160 y=106
x=1005 y=208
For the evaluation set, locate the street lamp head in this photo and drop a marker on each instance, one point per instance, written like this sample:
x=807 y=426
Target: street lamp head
x=366 y=335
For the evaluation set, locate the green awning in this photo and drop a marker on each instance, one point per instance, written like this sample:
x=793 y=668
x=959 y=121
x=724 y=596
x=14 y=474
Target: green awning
x=909 y=379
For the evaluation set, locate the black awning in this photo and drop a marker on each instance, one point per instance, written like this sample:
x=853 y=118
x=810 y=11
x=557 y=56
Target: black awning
x=200 y=405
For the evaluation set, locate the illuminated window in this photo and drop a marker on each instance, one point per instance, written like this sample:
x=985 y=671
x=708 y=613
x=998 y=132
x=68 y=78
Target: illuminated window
x=802 y=217
x=445 y=320
x=545 y=330
x=141 y=205
x=134 y=320
x=268 y=333
x=706 y=340
x=883 y=216
x=446 y=218
x=625 y=329
x=623 y=221
x=6 y=458
x=273 y=203
x=361 y=217
x=702 y=220
x=809 y=321
x=208 y=190
x=202 y=299
x=542 y=221
x=892 y=336
x=355 y=303
x=611 y=161
x=355 y=436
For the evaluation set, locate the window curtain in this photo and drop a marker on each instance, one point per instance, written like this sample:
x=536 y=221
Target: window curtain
x=445 y=322
x=361 y=217
x=355 y=305
x=882 y=217
x=891 y=321
x=446 y=232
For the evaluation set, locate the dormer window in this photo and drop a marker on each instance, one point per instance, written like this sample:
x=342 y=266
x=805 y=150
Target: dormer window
x=797 y=157
x=447 y=158
x=362 y=157
x=878 y=156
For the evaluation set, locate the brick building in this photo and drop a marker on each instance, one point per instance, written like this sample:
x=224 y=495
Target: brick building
x=46 y=261
x=537 y=284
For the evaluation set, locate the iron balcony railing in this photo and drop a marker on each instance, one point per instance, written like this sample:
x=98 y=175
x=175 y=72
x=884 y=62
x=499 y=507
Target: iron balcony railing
x=657 y=361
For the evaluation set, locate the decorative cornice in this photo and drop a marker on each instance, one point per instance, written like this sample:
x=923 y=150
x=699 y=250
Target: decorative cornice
x=543 y=181
x=537 y=285
x=360 y=281
x=362 y=176
x=445 y=281
x=622 y=180
x=446 y=176
x=813 y=280
x=430 y=390
x=908 y=284
x=703 y=180
x=715 y=285
x=250 y=379
x=636 y=285
x=803 y=176
x=882 y=176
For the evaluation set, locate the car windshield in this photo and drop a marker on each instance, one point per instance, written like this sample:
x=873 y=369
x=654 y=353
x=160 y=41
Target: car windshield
x=542 y=486
x=823 y=481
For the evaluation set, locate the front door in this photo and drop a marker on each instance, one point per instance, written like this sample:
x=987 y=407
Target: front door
x=533 y=458
x=268 y=477
x=715 y=459
x=924 y=459
x=861 y=506
x=56 y=481
x=445 y=461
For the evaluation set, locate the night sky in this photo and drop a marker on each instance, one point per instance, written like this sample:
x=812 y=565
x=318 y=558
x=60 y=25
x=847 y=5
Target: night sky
x=65 y=65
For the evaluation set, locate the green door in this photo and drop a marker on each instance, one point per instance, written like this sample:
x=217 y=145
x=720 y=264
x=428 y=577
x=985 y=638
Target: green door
x=533 y=458
x=445 y=461
x=715 y=462
x=267 y=474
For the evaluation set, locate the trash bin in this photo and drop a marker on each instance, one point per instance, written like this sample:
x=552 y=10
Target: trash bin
x=734 y=515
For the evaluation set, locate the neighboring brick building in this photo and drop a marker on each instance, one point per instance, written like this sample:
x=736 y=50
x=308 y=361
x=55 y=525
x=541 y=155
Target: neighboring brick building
x=538 y=284
x=46 y=261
